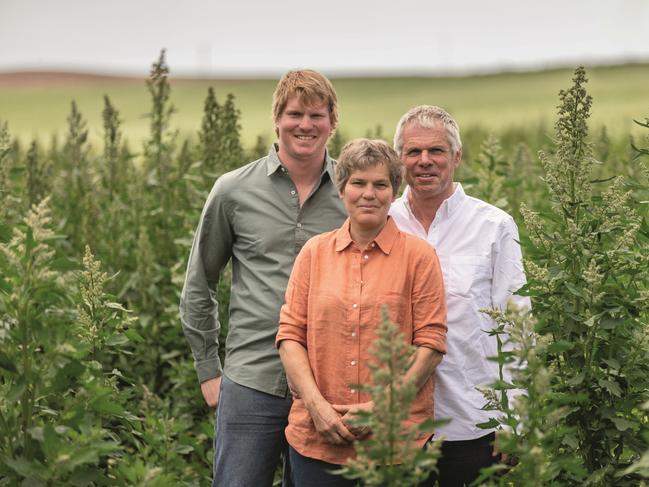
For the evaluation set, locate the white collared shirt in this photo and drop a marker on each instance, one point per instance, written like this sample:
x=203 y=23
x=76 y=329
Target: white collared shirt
x=477 y=246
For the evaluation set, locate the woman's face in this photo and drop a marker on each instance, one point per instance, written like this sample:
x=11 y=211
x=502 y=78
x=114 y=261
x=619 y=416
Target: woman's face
x=367 y=196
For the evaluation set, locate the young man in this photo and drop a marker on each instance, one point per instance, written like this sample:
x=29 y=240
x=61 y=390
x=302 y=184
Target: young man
x=478 y=249
x=260 y=216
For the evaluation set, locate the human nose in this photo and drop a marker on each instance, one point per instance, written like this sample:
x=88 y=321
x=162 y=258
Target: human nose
x=368 y=192
x=425 y=157
x=306 y=122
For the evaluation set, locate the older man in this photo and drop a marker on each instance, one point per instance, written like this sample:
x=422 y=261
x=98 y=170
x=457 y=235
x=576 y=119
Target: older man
x=260 y=216
x=481 y=263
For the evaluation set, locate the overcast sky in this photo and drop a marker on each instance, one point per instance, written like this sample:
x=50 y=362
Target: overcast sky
x=252 y=37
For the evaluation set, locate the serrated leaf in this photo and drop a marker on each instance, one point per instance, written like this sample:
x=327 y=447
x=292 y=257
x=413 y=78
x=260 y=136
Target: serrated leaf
x=104 y=405
x=612 y=363
x=610 y=386
x=578 y=379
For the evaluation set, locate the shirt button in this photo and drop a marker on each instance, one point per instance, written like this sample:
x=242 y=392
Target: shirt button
x=366 y=256
x=353 y=333
x=373 y=245
x=354 y=306
x=353 y=362
x=299 y=225
x=352 y=391
x=293 y=192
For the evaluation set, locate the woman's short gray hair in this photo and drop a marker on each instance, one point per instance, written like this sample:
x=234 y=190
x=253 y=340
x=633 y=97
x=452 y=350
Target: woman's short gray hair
x=426 y=116
x=360 y=154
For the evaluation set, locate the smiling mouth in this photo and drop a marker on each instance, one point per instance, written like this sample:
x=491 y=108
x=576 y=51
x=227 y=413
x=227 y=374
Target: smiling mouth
x=305 y=137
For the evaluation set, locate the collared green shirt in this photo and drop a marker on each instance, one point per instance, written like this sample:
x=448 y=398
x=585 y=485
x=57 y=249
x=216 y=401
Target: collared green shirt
x=252 y=216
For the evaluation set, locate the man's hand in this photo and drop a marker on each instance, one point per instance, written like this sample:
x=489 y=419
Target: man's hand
x=329 y=424
x=211 y=389
x=348 y=412
x=503 y=457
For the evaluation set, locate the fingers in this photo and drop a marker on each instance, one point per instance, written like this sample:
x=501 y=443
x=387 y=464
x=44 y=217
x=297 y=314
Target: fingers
x=341 y=408
x=210 y=389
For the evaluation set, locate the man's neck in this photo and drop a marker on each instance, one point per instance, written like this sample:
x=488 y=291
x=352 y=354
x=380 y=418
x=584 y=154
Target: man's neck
x=303 y=172
x=424 y=209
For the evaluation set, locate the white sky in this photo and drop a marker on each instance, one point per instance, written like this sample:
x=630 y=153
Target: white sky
x=253 y=37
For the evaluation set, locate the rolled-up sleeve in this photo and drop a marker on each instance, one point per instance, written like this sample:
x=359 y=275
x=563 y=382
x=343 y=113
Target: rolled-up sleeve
x=293 y=315
x=211 y=251
x=429 y=303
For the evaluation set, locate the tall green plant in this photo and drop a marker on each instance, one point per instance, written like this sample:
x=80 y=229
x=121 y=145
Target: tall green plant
x=389 y=457
x=587 y=277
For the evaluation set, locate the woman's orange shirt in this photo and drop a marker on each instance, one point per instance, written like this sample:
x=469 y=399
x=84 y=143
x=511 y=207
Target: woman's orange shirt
x=333 y=308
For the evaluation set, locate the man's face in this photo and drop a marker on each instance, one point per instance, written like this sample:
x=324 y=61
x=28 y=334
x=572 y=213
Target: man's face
x=429 y=161
x=303 y=130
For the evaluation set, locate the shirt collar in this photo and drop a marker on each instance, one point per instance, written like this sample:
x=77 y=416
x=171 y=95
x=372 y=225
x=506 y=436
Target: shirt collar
x=384 y=240
x=273 y=164
x=449 y=205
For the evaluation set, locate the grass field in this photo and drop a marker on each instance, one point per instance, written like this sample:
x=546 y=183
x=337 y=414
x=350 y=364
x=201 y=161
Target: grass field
x=37 y=106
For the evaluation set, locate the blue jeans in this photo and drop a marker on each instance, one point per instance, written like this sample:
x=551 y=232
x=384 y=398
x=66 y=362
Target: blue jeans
x=309 y=472
x=249 y=436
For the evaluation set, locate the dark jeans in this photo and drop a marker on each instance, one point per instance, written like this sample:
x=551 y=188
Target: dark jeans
x=462 y=461
x=249 y=436
x=309 y=472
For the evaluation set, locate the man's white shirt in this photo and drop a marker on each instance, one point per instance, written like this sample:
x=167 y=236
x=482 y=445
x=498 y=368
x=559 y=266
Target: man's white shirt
x=477 y=245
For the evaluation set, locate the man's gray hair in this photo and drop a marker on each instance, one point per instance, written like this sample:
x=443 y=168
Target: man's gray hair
x=426 y=116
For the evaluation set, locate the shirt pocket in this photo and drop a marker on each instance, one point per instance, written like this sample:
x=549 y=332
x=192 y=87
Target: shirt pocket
x=467 y=275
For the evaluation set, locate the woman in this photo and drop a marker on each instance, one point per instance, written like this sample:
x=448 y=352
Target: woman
x=340 y=282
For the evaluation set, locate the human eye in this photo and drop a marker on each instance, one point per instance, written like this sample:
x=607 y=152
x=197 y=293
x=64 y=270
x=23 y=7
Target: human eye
x=413 y=152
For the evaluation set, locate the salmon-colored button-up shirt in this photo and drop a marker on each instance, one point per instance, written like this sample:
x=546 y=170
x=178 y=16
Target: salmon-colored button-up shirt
x=333 y=308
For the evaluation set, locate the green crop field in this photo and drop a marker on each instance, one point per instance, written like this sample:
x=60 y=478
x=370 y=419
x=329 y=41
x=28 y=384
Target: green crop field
x=38 y=108
x=97 y=383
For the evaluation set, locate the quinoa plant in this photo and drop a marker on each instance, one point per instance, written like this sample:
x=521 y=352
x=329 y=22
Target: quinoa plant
x=588 y=274
x=530 y=420
x=491 y=169
x=388 y=457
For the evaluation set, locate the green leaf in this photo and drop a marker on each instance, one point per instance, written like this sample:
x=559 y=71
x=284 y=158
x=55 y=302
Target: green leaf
x=573 y=290
x=117 y=306
x=560 y=346
x=30 y=469
x=133 y=335
x=117 y=339
x=63 y=264
x=6 y=363
x=184 y=449
x=578 y=379
x=613 y=364
x=611 y=387
x=492 y=423
x=571 y=441
x=624 y=424
x=104 y=405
